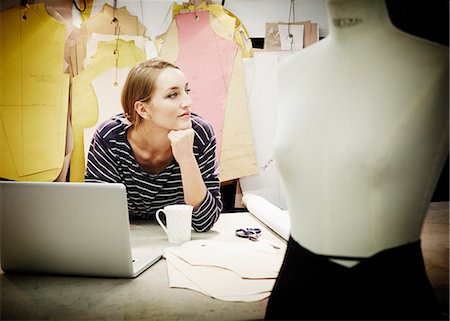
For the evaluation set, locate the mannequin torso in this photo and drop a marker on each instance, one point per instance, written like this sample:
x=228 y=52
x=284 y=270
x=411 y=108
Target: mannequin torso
x=362 y=133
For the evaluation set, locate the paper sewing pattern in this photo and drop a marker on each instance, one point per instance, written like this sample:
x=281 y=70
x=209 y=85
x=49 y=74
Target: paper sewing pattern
x=208 y=69
x=236 y=155
x=261 y=73
x=227 y=271
x=33 y=96
x=84 y=101
x=108 y=89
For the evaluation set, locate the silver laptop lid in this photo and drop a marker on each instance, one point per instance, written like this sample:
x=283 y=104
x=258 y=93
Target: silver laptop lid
x=65 y=228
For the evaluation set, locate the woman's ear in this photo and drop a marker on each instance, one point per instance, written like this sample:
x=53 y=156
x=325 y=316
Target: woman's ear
x=140 y=108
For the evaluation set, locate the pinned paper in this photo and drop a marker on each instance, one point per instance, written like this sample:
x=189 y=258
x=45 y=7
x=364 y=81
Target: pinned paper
x=304 y=34
x=117 y=53
x=261 y=73
x=291 y=37
x=208 y=69
x=142 y=43
x=108 y=89
x=237 y=156
x=34 y=92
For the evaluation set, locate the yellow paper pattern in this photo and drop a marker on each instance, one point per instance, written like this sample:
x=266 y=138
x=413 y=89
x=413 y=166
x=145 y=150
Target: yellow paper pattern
x=237 y=157
x=84 y=101
x=31 y=72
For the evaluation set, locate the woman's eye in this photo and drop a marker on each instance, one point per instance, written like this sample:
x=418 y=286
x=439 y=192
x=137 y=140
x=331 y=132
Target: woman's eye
x=173 y=95
x=188 y=90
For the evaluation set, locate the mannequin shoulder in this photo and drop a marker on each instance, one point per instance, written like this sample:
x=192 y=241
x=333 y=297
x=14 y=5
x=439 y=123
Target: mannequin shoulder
x=305 y=56
x=419 y=49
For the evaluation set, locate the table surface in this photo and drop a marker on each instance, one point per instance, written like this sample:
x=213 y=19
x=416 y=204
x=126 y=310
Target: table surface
x=147 y=297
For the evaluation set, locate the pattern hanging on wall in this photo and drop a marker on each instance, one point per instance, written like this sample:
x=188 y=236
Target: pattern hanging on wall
x=33 y=94
x=201 y=41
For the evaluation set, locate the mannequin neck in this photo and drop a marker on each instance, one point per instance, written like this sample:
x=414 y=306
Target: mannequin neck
x=352 y=18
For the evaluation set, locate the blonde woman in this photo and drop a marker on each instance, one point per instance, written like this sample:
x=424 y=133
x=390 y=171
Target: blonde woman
x=162 y=152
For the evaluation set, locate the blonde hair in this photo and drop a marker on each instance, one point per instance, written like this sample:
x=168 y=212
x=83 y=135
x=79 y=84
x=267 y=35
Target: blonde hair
x=140 y=86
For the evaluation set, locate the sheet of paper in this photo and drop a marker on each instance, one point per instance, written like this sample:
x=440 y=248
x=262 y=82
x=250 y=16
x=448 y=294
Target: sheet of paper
x=277 y=35
x=220 y=283
x=30 y=111
x=141 y=42
x=237 y=157
x=102 y=22
x=257 y=260
x=261 y=73
x=291 y=37
x=84 y=101
x=229 y=20
x=169 y=48
x=108 y=89
x=207 y=60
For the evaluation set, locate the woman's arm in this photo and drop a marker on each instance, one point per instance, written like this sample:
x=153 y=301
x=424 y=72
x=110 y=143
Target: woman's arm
x=201 y=184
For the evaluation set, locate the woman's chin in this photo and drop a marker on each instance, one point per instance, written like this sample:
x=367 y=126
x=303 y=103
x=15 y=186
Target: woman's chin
x=184 y=124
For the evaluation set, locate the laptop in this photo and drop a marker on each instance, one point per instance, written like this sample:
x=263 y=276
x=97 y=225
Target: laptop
x=69 y=228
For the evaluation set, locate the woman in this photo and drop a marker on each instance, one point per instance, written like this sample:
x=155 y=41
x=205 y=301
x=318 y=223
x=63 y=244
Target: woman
x=157 y=148
x=361 y=140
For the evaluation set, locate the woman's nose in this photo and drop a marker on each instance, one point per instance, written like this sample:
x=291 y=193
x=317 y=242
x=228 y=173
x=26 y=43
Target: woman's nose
x=187 y=101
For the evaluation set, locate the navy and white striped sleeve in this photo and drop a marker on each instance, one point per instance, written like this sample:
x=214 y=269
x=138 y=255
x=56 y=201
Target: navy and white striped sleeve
x=204 y=217
x=101 y=165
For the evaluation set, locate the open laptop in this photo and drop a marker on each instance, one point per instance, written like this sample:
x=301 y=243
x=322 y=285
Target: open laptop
x=70 y=229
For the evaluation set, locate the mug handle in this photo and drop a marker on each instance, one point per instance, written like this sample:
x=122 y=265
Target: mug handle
x=160 y=222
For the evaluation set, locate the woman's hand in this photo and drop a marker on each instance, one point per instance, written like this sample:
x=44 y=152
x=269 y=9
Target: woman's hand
x=182 y=142
x=194 y=188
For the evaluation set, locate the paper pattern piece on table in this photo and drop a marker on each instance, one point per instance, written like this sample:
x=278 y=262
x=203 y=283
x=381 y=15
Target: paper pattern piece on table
x=275 y=218
x=214 y=272
x=34 y=94
x=251 y=260
x=215 y=282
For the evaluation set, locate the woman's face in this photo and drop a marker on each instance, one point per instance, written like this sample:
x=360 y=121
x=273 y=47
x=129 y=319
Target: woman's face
x=170 y=107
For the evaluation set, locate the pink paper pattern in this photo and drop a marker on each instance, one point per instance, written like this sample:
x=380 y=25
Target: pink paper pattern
x=207 y=61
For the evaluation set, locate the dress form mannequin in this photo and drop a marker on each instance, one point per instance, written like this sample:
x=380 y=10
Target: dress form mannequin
x=362 y=134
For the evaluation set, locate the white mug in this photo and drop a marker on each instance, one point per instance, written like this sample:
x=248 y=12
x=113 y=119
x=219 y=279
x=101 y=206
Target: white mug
x=178 y=220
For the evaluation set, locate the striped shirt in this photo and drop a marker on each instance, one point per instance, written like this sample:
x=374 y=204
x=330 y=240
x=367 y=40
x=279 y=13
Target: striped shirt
x=112 y=160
